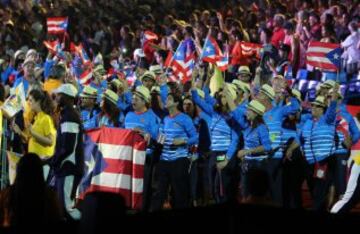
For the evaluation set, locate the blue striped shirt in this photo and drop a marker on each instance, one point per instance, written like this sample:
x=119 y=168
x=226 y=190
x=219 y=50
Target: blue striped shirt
x=88 y=118
x=174 y=127
x=274 y=118
x=256 y=137
x=224 y=136
x=318 y=137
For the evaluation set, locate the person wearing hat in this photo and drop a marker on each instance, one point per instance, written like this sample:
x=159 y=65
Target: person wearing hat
x=67 y=163
x=179 y=135
x=89 y=108
x=224 y=140
x=243 y=93
x=120 y=87
x=319 y=143
x=110 y=115
x=244 y=74
x=148 y=79
x=143 y=120
x=325 y=87
x=156 y=69
x=256 y=142
x=273 y=118
x=293 y=167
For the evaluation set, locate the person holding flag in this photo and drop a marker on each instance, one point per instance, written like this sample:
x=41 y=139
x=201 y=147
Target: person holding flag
x=143 y=121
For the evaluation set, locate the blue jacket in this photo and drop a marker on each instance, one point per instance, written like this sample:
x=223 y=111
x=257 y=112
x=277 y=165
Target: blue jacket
x=178 y=126
x=224 y=137
x=318 y=137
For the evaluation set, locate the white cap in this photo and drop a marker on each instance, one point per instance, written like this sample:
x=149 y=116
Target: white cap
x=67 y=89
x=139 y=53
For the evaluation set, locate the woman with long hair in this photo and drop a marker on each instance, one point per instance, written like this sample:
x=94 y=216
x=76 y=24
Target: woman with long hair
x=110 y=114
x=41 y=134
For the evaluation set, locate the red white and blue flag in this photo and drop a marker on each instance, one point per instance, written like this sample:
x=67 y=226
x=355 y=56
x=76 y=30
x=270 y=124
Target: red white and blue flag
x=56 y=25
x=149 y=36
x=324 y=55
x=223 y=62
x=81 y=52
x=211 y=51
x=52 y=46
x=86 y=76
x=183 y=61
x=114 y=162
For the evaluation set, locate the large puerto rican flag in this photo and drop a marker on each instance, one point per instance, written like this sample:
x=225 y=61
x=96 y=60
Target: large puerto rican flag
x=56 y=25
x=114 y=162
x=324 y=55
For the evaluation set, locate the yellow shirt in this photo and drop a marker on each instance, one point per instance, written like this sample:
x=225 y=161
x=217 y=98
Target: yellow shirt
x=43 y=125
x=51 y=84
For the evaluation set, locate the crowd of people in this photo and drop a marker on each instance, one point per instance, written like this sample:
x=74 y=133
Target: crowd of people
x=255 y=139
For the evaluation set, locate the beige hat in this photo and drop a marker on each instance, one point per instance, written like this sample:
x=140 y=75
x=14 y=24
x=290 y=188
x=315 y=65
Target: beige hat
x=2 y=61
x=329 y=84
x=156 y=69
x=242 y=85
x=155 y=89
x=297 y=94
x=89 y=92
x=67 y=89
x=339 y=93
x=319 y=101
x=117 y=83
x=28 y=61
x=148 y=74
x=244 y=70
x=111 y=96
x=182 y=23
x=268 y=91
x=100 y=69
x=232 y=89
x=257 y=107
x=143 y=92
x=30 y=52
x=279 y=77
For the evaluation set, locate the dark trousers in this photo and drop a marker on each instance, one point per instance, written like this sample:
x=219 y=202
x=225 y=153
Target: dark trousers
x=320 y=187
x=174 y=174
x=340 y=173
x=225 y=182
x=293 y=174
x=275 y=169
x=147 y=188
x=246 y=181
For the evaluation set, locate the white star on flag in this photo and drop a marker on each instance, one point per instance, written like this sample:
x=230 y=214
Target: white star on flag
x=336 y=56
x=90 y=164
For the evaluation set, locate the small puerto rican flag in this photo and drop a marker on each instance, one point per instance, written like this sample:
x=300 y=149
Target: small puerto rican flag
x=56 y=25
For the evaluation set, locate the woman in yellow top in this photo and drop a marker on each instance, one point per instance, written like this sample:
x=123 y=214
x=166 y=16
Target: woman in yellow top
x=41 y=135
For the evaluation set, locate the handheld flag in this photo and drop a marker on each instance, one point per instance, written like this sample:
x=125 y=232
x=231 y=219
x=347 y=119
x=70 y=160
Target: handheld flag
x=114 y=162
x=324 y=55
x=211 y=51
x=57 y=25
x=184 y=61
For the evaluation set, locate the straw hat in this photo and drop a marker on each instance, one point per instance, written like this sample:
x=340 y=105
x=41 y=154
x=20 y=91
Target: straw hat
x=242 y=85
x=268 y=91
x=143 y=93
x=111 y=96
x=67 y=89
x=319 y=101
x=89 y=92
x=257 y=107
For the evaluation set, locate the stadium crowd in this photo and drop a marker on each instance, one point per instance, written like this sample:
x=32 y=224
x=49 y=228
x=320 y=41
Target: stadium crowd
x=247 y=133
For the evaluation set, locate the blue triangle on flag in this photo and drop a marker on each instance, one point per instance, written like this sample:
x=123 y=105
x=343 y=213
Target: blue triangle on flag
x=335 y=57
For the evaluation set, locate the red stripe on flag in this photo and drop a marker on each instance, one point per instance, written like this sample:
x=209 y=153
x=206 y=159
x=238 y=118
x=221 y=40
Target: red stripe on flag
x=126 y=167
x=327 y=66
x=316 y=54
x=323 y=44
x=111 y=136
